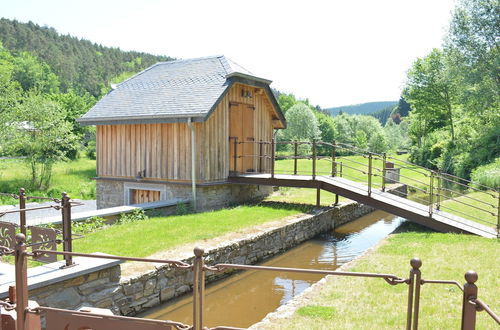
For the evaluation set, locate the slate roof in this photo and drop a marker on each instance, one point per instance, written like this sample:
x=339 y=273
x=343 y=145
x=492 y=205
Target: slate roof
x=169 y=92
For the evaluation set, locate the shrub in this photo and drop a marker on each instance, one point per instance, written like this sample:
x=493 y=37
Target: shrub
x=135 y=215
x=87 y=226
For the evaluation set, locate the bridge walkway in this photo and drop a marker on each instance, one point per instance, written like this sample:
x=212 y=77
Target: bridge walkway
x=397 y=205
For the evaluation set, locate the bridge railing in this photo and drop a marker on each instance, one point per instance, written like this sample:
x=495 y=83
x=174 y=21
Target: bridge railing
x=28 y=317
x=438 y=190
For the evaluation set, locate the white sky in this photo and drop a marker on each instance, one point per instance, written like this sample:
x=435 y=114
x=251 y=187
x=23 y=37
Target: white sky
x=335 y=52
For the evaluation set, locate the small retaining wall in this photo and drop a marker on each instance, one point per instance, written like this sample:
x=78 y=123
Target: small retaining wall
x=133 y=295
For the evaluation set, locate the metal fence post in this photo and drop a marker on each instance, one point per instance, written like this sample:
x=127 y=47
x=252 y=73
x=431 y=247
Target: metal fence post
x=198 y=288
x=21 y=269
x=334 y=165
x=261 y=146
x=370 y=159
x=295 y=155
x=384 y=169
x=468 y=309
x=235 y=154
x=314 y=160
x=340 y=172
x=22 y=206
x=414 y=294
x=273 y=143
x=438 y=197
x=431 y=193
x=66 y=220
x=334 y=168
x=498 y=215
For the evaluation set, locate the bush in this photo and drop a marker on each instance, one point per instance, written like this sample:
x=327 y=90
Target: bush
x=87 y=226
x=488 y=175
x=182 y=209
x=135 y=215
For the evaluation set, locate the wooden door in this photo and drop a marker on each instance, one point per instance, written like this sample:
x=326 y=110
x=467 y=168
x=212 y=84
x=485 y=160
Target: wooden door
x=140 y=196
x=241 y=121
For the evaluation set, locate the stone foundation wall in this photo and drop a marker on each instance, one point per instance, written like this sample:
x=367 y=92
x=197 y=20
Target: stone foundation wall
x=93 y=289
x=133 y=295
x=111 y=193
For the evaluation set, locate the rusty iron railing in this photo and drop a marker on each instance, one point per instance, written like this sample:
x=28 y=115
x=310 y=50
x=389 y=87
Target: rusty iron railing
x=376 y=170
x=41 y=237
x=55 y=318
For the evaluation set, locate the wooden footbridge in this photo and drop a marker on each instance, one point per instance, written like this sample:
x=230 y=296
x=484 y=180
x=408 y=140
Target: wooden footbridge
x=438 y=201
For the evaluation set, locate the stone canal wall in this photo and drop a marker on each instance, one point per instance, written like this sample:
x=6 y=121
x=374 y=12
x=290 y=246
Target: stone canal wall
x=135 y=294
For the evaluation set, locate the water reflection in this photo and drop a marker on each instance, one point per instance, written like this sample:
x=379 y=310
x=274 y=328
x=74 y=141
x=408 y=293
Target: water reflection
x=245 y=298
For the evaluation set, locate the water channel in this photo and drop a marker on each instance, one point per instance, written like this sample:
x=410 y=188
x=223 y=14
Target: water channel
x=245 y=298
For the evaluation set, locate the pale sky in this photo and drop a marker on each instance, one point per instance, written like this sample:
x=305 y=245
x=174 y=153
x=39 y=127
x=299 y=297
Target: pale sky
x=335 y=52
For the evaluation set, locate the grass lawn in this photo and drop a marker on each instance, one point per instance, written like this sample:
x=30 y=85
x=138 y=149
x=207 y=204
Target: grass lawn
x=74 y=177
x=356 y=303
x=143 y=238
x=478 y=202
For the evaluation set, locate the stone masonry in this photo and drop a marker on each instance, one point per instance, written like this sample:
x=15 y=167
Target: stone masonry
x=111 y=193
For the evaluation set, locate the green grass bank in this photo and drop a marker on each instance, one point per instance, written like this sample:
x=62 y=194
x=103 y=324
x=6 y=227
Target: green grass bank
x=354 y=303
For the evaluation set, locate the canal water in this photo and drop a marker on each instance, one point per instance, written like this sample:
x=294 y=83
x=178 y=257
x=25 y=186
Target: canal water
x=245 y=298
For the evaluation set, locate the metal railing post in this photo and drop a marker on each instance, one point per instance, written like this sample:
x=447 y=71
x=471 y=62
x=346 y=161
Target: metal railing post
x=295 y=155
x=431 y=193
x=334 y=165
x=314 y=160
x=498 y=214
x=469 y=309
x=384 y=170
x=318 y=197
x=21 y=269
x=273 y=151
x=22 y=214
x=341 y=167
x=438 y=197
x=334 y=168
x=414 y=294
x=198 y=288
x=235 y=151
x=260 y=155
x=370 y=160
x=66 y=222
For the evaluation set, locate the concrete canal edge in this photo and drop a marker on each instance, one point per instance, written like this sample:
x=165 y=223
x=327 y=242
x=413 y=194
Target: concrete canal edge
x=136 y=293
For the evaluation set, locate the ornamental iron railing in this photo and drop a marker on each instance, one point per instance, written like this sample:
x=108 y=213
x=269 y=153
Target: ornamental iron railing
x=45 y=238
x=26 y=316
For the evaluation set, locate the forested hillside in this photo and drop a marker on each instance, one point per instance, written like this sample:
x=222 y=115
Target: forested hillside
x=47 y=80
x=362 y=109
x=79 y=64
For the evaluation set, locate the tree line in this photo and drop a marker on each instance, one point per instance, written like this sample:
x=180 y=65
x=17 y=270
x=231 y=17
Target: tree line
x=79 y=64
x=307 y=123
x=448 y=116
x=454 y=93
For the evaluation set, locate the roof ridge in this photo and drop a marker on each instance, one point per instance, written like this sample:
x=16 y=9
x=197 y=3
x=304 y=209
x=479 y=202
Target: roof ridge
x=191 y=59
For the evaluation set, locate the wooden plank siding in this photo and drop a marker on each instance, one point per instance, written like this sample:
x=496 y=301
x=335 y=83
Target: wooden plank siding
x=163 y=151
